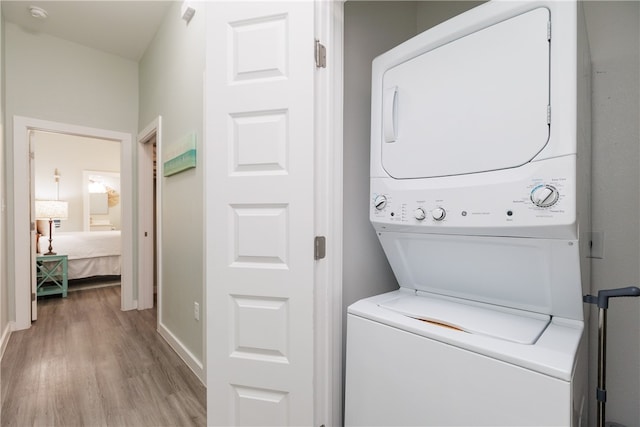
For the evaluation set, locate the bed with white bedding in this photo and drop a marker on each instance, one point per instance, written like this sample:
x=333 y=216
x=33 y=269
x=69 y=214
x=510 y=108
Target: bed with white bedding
x=89 y=253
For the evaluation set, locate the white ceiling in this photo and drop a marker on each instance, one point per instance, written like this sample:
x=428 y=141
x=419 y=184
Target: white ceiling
x=120 y=27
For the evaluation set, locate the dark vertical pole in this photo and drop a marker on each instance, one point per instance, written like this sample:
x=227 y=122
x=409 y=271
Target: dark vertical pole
x=602 y=361
x=602 y=300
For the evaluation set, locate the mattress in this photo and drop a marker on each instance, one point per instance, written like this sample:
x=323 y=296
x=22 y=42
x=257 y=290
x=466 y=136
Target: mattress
x=90 y=253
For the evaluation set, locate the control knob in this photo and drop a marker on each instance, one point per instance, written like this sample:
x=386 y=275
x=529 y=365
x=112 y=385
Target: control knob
x=544 y=196
x=438 y=214
x=380 y=202
x=419 y=214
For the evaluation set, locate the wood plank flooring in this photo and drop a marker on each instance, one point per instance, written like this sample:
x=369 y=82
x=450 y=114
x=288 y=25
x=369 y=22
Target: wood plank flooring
x=86 y=363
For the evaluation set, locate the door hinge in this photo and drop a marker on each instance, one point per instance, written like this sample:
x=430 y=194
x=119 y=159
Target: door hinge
x=548 y=114
x=319 y=247
x=321 y=55
x=548 y=30
x=33 y=226
x=33 y=296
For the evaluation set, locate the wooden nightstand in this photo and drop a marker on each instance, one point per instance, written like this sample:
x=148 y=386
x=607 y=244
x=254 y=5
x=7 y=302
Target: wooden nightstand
x=51 y=272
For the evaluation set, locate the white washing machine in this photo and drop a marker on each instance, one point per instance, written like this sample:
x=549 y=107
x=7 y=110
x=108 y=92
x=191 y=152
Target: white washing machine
x=480 y=183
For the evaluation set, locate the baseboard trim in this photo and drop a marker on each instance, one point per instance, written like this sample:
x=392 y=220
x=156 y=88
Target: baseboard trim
x=6 y=334
x=192 y=362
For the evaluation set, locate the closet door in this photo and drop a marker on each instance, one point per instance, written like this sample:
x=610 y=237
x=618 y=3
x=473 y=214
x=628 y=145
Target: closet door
x=260 y=213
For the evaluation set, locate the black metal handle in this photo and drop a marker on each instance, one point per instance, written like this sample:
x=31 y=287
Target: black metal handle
x=602 y=300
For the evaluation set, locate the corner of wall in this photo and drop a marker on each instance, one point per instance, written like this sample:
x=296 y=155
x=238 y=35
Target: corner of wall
x=4 y=282
x=188 y=357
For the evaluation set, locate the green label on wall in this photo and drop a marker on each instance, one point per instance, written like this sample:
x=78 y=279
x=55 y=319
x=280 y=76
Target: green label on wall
x=181 y=156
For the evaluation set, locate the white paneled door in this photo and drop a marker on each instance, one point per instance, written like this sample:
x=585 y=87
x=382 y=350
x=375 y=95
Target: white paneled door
x=260 y=212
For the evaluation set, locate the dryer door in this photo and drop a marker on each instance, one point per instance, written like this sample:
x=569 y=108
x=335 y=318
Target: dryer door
x=477 y=104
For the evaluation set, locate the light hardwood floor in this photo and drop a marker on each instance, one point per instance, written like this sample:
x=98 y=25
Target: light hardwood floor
x=86 y=363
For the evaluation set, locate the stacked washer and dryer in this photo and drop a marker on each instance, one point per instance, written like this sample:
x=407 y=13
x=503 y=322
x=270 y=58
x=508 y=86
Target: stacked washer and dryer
x=480 y=197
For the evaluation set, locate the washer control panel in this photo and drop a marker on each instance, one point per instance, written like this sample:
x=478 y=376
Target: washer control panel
x=539 y=199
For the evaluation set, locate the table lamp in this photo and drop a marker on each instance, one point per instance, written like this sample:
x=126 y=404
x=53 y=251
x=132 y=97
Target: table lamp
x=50 y=210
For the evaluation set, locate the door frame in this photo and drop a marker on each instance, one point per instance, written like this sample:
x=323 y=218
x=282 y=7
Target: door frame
x=328 y=93
x=22 y=218
x=145 y=216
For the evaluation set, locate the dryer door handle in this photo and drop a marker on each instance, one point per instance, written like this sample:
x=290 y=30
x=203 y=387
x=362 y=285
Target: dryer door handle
x=389 y=118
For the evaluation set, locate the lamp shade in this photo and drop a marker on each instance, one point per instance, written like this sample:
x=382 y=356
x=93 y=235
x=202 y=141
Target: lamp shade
x=52 y=209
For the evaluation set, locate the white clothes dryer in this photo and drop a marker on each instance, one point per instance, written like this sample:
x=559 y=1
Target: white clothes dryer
x=480 y=183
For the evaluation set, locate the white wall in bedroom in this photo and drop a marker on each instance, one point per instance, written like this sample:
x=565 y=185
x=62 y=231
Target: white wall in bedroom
x=71 y=155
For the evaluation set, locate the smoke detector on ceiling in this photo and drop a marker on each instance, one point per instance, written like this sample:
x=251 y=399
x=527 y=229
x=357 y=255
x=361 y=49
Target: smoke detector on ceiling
x=38 y=12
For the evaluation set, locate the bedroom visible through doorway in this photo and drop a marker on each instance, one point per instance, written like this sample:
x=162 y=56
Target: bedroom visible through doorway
x=84 y=173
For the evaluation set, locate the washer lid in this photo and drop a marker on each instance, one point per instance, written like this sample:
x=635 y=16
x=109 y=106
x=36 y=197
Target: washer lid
x=476 y=104
x=476 y=318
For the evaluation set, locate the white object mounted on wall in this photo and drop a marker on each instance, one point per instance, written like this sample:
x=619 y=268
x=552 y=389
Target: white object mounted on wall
x=187 y=11
x=38 y=12
x=56 y=178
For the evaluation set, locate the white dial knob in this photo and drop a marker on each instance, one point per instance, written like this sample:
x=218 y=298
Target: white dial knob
x=544 y=196
x=419 y=214
x=438 y=214
x=380 y=202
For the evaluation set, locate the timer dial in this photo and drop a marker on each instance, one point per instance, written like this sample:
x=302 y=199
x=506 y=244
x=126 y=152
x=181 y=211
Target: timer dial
x=545 y=196
x=380 y=202
x=419 y=214
x=438 y=214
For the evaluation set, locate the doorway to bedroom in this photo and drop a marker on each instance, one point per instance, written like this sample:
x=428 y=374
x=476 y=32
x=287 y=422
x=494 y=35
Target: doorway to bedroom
x=24 y=211
x=83 y=174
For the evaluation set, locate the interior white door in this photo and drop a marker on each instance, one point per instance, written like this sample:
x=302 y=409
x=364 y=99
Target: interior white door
x=33 y=233
x=260 y=213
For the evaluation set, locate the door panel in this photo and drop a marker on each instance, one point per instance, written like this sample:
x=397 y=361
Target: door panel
x=476 y=104
x=260 y=213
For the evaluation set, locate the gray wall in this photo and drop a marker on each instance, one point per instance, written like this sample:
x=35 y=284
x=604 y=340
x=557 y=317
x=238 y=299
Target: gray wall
x=614 y=38
x=431 y=13
x=370 y=29
x=373 y=27
x=171 y=86
x=52 y=79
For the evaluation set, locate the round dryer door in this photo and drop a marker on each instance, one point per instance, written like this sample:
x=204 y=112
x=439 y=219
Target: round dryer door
x=478 y=103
